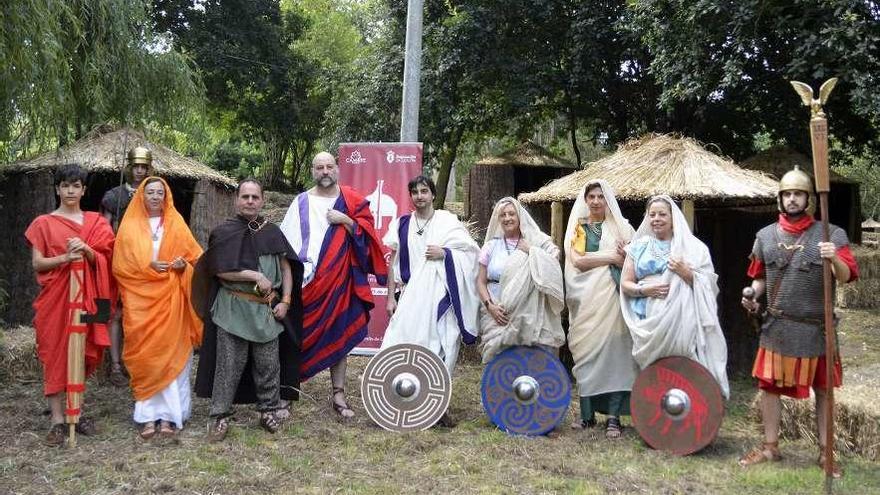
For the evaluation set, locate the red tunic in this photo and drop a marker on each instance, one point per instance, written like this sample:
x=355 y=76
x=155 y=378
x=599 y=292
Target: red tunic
x=49 y=234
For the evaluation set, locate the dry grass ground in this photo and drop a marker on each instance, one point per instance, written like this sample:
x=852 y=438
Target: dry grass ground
x=316 y=454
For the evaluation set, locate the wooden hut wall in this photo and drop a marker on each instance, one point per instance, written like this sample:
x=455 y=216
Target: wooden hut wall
x=486 y=185
x=212 y=203
x=24 y=197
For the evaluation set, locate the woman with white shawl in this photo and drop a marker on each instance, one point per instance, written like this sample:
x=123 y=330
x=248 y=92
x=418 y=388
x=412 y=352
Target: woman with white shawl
x=598 y=338
x=669 y=289
x=520 y=283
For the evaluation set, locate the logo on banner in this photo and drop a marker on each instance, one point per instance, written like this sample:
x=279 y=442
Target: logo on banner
x=392 y=157
x=355 y=158
x=382 y=206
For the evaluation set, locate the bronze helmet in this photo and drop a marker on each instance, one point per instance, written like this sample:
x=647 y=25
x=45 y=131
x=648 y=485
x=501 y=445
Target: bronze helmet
x=140 y=156
x=797 y=180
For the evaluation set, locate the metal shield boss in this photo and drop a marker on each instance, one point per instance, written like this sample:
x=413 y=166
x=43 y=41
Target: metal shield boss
x=676 y=405
x=406 y=388
x=526 y=391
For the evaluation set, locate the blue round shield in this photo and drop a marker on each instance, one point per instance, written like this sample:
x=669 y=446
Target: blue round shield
x=526 y=391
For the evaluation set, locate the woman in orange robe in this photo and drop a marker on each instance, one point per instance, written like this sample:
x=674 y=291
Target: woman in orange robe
x=153 y=265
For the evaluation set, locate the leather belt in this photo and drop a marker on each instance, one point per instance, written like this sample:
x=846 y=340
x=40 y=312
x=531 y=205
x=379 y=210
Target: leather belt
x=248 y=296
x=778 y=313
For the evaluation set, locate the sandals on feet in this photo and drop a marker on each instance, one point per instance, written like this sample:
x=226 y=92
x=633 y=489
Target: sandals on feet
x=342 y=409
x=148 y=430
x=57 y=434
x=612 y=428
x=117 y=375
x=86 y=426
x=167 y=429
x=270 y=422
x=766 y=452
x=218 y=429
x=583 y=425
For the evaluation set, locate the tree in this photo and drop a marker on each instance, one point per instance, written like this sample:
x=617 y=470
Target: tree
x=70 y=65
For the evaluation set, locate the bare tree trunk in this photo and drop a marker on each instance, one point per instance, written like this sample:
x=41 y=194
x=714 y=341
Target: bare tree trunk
x=447 y=158
x=275 y=156
x=572 y=128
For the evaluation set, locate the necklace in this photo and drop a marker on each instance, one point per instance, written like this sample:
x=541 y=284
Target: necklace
x=657 y=252
x=255 y=226
x=420 y=229
x=596 y=229
x=507 y=246
x=155 y=235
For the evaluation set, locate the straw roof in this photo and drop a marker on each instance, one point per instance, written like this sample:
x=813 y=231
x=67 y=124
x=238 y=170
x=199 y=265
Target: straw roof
x=870 y=224
x=104 y=150
x=664 y=164
x=527 y=154
x=778 y=160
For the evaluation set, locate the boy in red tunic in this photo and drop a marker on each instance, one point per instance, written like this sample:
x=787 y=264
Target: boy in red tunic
x=57 y=239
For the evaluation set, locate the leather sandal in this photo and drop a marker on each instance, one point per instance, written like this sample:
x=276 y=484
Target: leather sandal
x=612 y=428
x=167 y=429
x=148 y=430
x=584 y=425
x=767 y=452
x=56 y=435
x=117 y=375
x=836 y=471
x=218 y=429
x=270 y=422
x=86 y=426
x=343 y=410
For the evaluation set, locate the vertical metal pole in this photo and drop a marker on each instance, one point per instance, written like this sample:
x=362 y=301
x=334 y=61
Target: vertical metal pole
x=412 y=69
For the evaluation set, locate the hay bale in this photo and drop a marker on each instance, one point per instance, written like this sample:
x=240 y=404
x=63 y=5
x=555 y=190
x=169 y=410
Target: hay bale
x=865 y=292
x=18 y=352
x=857 y=419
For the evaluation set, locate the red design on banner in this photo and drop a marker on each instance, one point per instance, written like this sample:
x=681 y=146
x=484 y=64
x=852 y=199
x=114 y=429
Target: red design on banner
x=380 y=171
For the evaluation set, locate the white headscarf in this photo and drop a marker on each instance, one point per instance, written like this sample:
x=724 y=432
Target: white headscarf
x=685 y=323
x=614 y=219
x=527 y=226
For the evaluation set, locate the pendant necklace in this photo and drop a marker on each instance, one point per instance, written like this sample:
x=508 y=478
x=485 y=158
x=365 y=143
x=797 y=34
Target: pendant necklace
x=255 y=226
x=420 y=229
x=155 y=235
x=596 y=229
x=657 y=252
x=508 y=248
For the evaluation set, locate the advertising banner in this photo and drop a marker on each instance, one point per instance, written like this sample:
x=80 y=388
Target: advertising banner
x=380 y=171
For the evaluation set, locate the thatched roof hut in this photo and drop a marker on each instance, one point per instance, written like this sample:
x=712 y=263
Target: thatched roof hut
x=844 y=201
x=202 y=195
x=523 y=168
x=725 y=204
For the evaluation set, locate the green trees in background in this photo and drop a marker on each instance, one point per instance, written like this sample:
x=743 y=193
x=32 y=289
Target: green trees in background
x=66 y=66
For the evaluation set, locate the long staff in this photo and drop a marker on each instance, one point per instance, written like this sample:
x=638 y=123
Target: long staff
x=819 y=139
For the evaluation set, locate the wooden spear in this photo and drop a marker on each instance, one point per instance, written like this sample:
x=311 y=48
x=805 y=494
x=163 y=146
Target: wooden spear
x=819 y=138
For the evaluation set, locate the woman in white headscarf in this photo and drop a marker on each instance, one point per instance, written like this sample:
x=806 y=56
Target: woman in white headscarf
x=598 y=338
x=669 y=289
x=520 y=283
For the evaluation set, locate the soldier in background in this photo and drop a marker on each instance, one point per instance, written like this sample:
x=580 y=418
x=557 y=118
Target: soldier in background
x=113 y=206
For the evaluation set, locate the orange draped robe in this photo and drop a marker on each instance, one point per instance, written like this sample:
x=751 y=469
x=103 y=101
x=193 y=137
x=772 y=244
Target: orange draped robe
x=161 y=327
x=49 y=234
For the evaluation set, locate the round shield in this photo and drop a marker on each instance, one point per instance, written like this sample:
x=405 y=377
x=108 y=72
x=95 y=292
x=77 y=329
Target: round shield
x=406 y=387
x=526 y=391
x=676 y=405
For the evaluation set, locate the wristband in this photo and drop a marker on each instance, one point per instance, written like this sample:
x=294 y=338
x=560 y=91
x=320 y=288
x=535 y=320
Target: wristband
x=286 y=299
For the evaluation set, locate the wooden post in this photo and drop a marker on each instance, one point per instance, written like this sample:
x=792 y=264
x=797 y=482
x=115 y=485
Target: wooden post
x=557 y=224
x=687 y=207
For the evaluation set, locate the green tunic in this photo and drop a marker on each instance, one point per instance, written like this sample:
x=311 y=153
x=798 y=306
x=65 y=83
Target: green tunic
x=250 y=320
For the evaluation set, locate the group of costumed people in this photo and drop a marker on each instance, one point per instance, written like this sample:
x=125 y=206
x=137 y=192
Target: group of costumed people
x=272 y=305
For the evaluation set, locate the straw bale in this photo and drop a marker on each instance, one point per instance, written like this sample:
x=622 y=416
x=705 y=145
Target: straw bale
x=664 y=164
x=105 y=150
x=18 y=352
x=864 y=292
x=857 y=419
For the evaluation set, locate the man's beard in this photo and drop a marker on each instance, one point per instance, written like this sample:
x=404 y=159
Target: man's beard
x=326 y=181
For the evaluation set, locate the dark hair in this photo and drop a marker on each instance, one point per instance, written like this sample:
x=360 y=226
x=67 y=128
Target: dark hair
x=590 y=187
x=70 y=173
x=421 y=179
x=250 y=180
